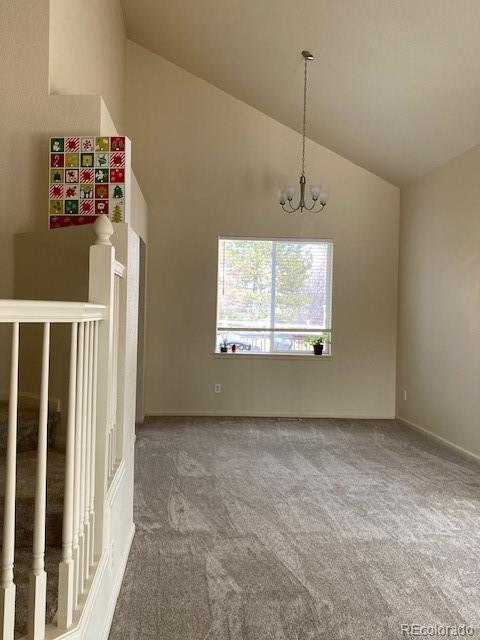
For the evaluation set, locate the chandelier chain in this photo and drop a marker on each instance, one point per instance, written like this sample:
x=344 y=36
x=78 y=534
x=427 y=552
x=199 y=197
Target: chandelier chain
x=286 y=195
x=304 y=115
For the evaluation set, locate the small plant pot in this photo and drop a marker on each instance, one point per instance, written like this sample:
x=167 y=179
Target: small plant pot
x=318 y=349
x=223 y=349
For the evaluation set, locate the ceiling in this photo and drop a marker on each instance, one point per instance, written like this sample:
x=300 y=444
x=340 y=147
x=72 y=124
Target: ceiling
x=395 y=87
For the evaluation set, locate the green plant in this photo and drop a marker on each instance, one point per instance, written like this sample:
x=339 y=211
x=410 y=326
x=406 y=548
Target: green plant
x=313 y=340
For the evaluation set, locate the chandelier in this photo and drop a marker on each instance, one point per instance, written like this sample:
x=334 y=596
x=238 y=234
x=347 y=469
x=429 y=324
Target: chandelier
x=286 y=194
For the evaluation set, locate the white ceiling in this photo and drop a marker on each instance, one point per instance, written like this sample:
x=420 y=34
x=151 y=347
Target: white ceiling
x=396 y=84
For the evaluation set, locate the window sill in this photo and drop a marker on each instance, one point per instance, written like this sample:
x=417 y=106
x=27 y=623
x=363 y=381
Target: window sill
x=277 y=356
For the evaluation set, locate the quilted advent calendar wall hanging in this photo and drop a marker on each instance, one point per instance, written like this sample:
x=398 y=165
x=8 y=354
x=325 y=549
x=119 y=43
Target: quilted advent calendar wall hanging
x=88 y=176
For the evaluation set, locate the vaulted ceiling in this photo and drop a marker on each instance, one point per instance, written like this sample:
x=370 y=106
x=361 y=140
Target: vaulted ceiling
x=395 y=87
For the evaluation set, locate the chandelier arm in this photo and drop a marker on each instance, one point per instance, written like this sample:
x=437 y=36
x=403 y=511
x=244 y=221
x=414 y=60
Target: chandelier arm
x=292 y=209
x=304 y=208
x=312 y=207
x=314 y=204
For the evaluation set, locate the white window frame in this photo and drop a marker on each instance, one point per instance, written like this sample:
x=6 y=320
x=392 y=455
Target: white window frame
x=272 y=331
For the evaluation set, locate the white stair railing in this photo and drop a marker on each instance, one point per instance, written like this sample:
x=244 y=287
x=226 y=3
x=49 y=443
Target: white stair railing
x=90 y=454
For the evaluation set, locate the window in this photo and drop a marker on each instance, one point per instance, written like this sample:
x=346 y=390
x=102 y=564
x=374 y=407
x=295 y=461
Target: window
x=273 y=294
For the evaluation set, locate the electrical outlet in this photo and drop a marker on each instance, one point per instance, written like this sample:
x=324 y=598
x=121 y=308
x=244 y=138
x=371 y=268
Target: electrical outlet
x=218 y=388
x=404 y=395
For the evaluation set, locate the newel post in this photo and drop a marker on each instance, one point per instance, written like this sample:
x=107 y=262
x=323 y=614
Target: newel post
x=102 y=291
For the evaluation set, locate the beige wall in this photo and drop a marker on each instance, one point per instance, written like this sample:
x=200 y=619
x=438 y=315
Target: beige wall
x=139 y=210
x=439 y=302
x=62 y=275
x=87 y=51
x=29 y=115
x=210 y=165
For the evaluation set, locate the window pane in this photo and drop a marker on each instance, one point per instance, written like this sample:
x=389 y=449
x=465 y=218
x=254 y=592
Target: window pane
x=244 y=283
x=302 y=296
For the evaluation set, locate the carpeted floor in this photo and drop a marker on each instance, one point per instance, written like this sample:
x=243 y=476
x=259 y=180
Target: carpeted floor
x=259 y=529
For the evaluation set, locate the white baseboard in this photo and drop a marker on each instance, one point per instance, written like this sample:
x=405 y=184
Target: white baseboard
x=27 y=399
x=92 y=594
x=435 y=436
x=118 y=584
x=270 y=414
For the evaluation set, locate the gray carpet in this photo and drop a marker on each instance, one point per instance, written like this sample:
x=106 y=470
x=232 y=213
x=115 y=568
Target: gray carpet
x=259 y=529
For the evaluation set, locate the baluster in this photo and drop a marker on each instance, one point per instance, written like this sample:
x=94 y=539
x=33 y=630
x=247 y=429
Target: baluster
x=117 y=342
x=114 y=390
x=88 y=448
x=38 y=576
x=82 y=536
x=66 y=590
x=7 y=591
x=116 y=318
x=109 y=400
x=77 y=546
x=109 y=451
x=93 y=444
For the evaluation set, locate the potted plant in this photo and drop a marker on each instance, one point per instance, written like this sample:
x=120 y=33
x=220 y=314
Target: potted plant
x=224 y=345
x=317 y=342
